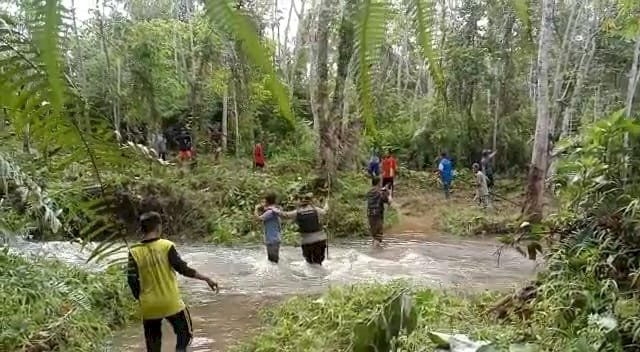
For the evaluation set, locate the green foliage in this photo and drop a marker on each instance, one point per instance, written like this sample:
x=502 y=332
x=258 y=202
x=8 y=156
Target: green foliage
x=336 y=321
x=47 y=305
x=222 y=13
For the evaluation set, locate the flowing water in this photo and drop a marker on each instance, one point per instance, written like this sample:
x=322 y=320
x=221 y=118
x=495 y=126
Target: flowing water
x=248 y=281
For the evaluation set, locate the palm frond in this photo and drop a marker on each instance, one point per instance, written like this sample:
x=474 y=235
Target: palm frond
x=370 y=34
x=419 y=12
x=223 y=14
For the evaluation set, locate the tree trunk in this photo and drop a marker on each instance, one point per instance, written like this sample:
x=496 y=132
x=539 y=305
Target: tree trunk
x=326 y=126
x=634 y=76
x=534 y=202
x=225 y=118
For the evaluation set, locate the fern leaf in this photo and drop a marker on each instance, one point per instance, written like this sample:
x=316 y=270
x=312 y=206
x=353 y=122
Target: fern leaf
x=370 y=33
x=419 y=13
x=222 y=13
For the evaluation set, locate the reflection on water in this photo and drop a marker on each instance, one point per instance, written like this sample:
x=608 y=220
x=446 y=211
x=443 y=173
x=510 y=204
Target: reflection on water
x=248 y=280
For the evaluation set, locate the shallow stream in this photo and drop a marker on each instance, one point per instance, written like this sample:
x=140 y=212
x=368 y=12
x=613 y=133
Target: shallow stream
x=248 y=281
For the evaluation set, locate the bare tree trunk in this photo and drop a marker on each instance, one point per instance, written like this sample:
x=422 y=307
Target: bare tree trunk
x=225 y=118
x=236 y=123
x=583 y=68
x=327 y=150
x=534 y=202
x=634 y=77
x=561 y=63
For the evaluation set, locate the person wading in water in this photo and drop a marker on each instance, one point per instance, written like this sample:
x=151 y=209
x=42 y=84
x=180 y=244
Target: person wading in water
x=152 y=279
x=268 y=214
x=376 y=199
x=314 y=239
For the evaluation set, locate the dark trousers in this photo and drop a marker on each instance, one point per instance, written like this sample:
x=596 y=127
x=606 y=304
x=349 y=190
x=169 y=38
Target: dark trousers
x=376 y=225
x=314 y=253
x=181 y=323
x=273 y=252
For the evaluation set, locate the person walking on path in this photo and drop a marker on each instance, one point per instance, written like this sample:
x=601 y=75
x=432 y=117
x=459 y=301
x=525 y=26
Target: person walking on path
x=185 y=146
x=151 y=275
x=373 y=169
x=389 y=171
x=482 y=189
x=268 y=214
x=258 y=156
x=377 y=197
x=486 y=166
x=445 y=169
x=314 y=239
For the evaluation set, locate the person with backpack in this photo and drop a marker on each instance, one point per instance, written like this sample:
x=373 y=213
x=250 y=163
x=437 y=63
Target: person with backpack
x=377 y=197
x=445 y=169
x=313 y=237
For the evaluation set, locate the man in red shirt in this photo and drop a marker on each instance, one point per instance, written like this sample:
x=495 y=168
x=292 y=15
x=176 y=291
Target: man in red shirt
x=258 y=156
x=389 y=170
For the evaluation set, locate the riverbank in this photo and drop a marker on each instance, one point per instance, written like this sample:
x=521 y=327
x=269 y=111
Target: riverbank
x=359 y=317
x=51 y=306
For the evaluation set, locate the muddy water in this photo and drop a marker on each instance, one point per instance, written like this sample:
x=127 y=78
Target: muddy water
x=248 y=281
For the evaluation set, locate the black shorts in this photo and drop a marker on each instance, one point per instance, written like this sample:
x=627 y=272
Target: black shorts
x=387 y=181
x=181 y=323
x=314 y=253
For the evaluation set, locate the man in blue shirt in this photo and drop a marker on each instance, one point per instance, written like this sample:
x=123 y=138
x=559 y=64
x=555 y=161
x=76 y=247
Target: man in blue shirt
x=268 y=214
x=445 y=168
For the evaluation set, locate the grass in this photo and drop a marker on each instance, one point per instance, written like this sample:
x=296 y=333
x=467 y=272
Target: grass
x=333 y=321
x=47 y=305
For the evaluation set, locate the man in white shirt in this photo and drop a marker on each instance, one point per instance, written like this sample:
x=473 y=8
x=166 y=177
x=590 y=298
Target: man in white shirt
x=482 y=189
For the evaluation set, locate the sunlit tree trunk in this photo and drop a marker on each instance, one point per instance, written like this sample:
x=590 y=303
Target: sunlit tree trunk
x=225 y=118
x=634 y=77
x=534 y=202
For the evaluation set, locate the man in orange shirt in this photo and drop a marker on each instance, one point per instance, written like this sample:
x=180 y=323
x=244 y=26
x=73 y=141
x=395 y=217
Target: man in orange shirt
x=389 y=170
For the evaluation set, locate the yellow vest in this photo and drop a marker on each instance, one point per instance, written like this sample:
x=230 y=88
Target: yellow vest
x=159 y=292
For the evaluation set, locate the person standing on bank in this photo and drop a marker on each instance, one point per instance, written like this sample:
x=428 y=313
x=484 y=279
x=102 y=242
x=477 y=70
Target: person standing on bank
x=152 y=279
x=268 y=214
x=445 y=169
x=486 y=166
x=314 y=239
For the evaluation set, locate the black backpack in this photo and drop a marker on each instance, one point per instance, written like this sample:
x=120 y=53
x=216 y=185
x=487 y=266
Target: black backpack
x=374 y=203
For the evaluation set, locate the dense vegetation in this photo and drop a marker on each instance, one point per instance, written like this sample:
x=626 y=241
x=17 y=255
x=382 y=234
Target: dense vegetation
x=548 y=84
x=47 y=305
x=585 y=300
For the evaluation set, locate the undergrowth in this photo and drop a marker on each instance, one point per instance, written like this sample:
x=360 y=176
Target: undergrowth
x=50 y=306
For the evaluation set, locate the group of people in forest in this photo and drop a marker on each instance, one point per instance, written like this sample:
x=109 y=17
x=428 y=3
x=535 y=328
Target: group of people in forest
x=186 y=152
x=154 y=261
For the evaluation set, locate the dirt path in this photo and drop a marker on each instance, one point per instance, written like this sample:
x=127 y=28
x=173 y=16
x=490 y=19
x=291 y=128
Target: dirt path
x=419 y=212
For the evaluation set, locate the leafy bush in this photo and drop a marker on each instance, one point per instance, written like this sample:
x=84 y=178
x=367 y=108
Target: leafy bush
x=47 y=305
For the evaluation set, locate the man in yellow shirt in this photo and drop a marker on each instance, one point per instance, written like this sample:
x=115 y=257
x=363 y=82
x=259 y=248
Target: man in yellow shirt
x=152 y=279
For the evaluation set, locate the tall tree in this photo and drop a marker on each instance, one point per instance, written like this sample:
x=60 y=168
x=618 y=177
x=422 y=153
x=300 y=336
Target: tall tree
x=534 y=202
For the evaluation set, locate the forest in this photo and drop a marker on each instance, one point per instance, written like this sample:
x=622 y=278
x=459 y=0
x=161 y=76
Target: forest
x=550 y=85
